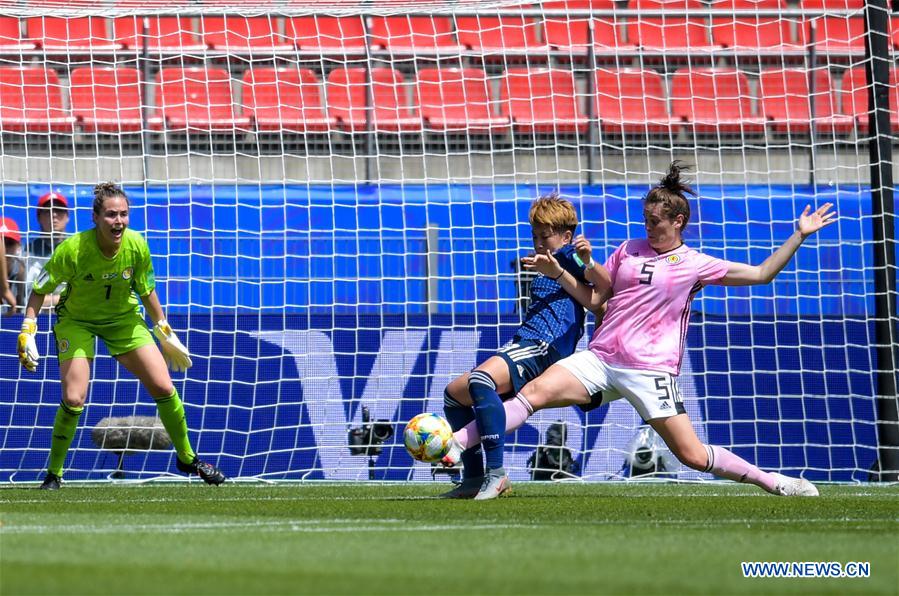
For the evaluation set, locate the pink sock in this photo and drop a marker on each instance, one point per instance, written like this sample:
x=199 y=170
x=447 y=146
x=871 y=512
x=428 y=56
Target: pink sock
x=518 y=410
x=733 y=467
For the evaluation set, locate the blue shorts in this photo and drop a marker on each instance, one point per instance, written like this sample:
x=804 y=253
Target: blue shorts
x=527 y=359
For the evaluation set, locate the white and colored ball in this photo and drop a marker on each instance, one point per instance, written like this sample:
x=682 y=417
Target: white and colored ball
x=428 y=437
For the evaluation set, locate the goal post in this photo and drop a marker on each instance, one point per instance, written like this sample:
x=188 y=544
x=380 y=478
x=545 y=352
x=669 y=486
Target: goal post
x=336 y=196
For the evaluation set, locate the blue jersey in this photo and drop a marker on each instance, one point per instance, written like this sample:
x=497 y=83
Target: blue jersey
x=554 y=316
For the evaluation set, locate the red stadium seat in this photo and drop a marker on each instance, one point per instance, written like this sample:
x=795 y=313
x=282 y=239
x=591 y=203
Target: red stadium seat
x=748 y=4
x=496 y=34
x=572 y=35
x=414 y=35
x=631 y=101
x=836 y=35
x=245 y=35
x=31 y=101
x=894 y=36
x=107 y=100
x=754 y=35
x=77 y=34
x=855 y=97
x=189 y=99
x=542 y=101
x=163 y=33
x=327 y=34
x=832 y=4
x=714 y=100
x=784 y=98
x=347 y=99
x=285 y=99
x=457 y=100
x=11 y=36
x=670 y=34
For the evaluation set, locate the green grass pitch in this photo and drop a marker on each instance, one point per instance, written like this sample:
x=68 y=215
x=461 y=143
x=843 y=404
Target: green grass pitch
x=610 y=538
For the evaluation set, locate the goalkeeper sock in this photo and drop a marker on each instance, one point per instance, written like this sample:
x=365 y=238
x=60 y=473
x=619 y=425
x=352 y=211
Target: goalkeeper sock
x=728 y=465
x=63 y=432
x=518 y=410
x=490 y=417
x=171 y=412
x=458 y=416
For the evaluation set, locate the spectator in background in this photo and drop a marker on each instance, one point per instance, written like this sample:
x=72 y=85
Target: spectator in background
x=15 y=267
x=53 y=217
x=6 y=295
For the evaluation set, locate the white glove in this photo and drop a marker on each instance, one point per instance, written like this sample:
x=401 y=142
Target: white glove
x=26 y=345
x=174 y=352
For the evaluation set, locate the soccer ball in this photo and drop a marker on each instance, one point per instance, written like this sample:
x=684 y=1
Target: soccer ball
x=428 y=437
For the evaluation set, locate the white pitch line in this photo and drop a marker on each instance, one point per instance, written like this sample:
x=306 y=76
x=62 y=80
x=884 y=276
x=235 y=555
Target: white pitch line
x=391 y=525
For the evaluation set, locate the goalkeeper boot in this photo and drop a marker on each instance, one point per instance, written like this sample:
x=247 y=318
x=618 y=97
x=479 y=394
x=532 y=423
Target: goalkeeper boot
x=51 y=482
x=794 y=487
x=209 y=473
x=467 y=489
x=496 y=484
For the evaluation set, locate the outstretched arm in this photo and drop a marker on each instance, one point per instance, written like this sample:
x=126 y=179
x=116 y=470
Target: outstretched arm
x=741 y=274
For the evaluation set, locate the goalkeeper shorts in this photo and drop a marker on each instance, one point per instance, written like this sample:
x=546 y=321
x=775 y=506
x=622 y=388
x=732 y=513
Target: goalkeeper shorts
x=77 y=339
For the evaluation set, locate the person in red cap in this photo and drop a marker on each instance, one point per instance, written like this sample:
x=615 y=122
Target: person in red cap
x=53 y=217
x=15 y=268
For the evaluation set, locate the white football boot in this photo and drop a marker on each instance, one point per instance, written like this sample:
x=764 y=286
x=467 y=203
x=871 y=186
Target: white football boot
x=794 y=487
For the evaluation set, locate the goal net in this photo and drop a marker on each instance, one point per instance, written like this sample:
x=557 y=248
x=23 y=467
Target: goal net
x=336 y=194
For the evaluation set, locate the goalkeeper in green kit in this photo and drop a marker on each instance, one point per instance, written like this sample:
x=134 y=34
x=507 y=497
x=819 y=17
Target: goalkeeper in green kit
x=105 y=270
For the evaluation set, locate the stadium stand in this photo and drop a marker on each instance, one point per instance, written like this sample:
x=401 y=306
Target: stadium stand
x=495 y=34
x=679 y=35
x=327 y=34
x=457 y=100
x=347 y=91
x=284 y=99
x=784 y=98
x=571 y=35
x=70 y=35
x=714 y=101
x=31 y=101
x=855 y=98
x=542 y=101
x=414 y=35
x=754 y=36
x=194 y=99
x=163 y=33
x=11 y=36
x=106 y=100
x=242 y=35
x=632 y=101
x=836 y=36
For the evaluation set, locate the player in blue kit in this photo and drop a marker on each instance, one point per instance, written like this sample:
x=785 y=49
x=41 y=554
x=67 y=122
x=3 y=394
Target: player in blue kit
x=552 y=327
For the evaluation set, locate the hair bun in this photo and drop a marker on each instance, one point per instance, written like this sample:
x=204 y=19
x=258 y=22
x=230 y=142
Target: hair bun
x=672 y=181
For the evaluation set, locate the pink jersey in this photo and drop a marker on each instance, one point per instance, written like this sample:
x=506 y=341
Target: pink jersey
x=645 y=325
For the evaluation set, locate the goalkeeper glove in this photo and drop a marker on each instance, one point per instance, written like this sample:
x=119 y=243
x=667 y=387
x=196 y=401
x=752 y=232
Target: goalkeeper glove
x=26 y=345
x=175 y=354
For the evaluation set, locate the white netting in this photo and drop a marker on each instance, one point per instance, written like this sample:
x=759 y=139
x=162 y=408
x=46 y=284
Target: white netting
x=335 y=194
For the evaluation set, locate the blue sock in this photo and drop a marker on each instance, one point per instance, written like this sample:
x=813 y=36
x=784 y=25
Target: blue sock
x=458 y=416
x=491 y=416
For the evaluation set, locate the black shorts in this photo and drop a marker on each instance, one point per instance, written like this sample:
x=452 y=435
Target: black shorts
x=527 y=359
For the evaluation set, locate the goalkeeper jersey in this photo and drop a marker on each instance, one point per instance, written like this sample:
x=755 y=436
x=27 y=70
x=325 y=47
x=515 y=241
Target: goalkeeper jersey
x=99 y=289
x=554 y=316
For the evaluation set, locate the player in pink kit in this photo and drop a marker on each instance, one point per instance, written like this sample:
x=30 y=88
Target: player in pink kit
x=636 y=353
